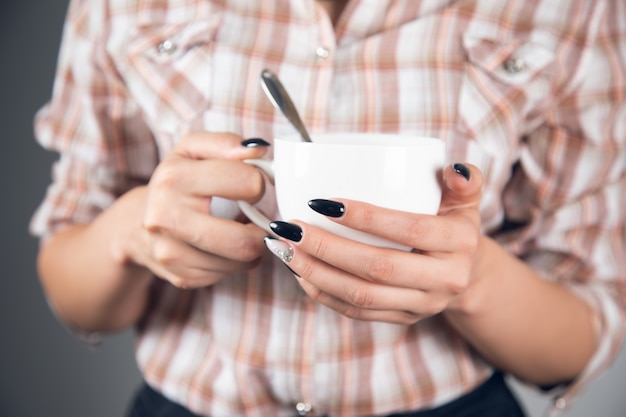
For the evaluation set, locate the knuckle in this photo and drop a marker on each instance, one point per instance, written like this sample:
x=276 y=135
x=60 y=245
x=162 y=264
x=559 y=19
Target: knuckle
x=366 y=219
x=163 y=254
x=178 y=282
x=176 y=220
x=458 y=285
x=433 y=308
x=438 y=305
x=351 y=312
x=467 y=237
x=416 y=230
x=460 y=280
x=151 y=224
x=359 y=297
x=312 y=291
x=379 y=268
x=194 y=237
x=152 y=220
x=167 y=175
x=319 y=247
x=159 y=220
x=251 y=182
x=446 y=234
x=247 y=249
x=407 y=318
x=305 y=270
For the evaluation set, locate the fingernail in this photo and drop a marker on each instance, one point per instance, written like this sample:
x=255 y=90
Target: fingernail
x=462 y=170
x=283 y=251
x=254 y=142
x=289 y=231
x=328 y=207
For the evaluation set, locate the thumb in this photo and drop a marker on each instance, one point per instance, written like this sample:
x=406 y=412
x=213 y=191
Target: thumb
x=462 y=188
x=219 y=145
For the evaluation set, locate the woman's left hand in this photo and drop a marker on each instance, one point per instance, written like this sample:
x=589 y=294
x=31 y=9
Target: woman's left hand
x=371 y=283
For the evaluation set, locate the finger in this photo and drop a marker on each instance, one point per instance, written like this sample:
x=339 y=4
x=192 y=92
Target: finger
x=226 y=238
x=348 y=310
x=190 y=262
x=425 y=232
x=462 y=187
x=220 y=145
x=188 y=267
x=353 y=290
x=214 y=177
x=353 y=296
x=397 y=268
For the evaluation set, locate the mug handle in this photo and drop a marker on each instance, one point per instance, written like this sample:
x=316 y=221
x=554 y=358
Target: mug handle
x=251 y=211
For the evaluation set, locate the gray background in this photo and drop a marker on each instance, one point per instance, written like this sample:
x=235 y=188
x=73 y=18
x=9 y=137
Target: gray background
x=44 y=370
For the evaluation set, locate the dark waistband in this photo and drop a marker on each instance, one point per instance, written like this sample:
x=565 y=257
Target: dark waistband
x=492 y=398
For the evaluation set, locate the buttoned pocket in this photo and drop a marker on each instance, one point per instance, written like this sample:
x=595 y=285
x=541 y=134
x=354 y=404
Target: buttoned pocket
x=506 y=87
x=168 y=70
x=506 y=83
x=514 y=61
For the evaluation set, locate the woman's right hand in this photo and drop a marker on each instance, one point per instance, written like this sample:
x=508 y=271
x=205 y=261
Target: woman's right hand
x=176 y=236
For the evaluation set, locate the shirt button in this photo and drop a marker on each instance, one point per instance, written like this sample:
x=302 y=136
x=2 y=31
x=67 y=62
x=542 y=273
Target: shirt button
x=514 y=65
x=560 y=403
x=322 y=52
x=303 y=409
x=166 y=47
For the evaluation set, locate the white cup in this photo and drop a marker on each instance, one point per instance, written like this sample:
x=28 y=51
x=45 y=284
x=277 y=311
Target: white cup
x=392 y=171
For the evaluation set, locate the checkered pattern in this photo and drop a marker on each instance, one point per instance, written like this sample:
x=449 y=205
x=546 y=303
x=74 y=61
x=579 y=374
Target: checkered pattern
x=533 y=92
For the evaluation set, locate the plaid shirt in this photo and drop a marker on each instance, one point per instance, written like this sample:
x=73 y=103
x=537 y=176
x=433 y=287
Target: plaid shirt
x=533 y=92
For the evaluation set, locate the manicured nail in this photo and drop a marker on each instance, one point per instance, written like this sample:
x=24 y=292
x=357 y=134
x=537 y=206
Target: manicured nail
x=462 y=170
x=283 y=251
x=328 y=207
x=254 y=142
x=289 y=231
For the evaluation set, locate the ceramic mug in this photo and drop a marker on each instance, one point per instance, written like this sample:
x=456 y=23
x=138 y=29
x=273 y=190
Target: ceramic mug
x=399 y=172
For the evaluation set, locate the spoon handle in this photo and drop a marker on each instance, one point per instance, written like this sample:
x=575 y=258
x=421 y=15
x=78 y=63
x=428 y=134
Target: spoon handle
x=280 y=99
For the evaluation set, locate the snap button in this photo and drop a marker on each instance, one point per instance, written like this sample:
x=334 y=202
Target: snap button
x=514 y=65
x=303 y=409
x=322 y=52
x=560 y=403
x=166 y=47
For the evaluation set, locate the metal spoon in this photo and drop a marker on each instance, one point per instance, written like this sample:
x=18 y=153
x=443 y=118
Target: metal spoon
x=281 y=100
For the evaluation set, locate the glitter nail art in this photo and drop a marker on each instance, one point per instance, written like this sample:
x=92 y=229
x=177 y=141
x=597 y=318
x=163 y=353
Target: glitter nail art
x=279 y=248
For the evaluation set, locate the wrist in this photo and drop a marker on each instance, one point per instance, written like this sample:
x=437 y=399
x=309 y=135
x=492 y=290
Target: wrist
x=474 y=299
x=124 y=220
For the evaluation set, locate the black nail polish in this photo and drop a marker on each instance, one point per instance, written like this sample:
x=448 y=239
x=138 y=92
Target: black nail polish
x=328 y=207
x=462 y=170
x=289 y=231
x=254 y=142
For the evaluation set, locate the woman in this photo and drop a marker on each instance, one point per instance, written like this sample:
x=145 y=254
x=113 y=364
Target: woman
x=157 y=104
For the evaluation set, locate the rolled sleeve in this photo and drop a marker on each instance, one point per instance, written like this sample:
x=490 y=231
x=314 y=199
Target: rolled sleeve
x=91 y=121
x=569 y=193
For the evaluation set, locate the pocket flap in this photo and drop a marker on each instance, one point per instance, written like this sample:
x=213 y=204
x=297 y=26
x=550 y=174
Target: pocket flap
x=169 y=69
x=514 y=61
x=163 y=43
